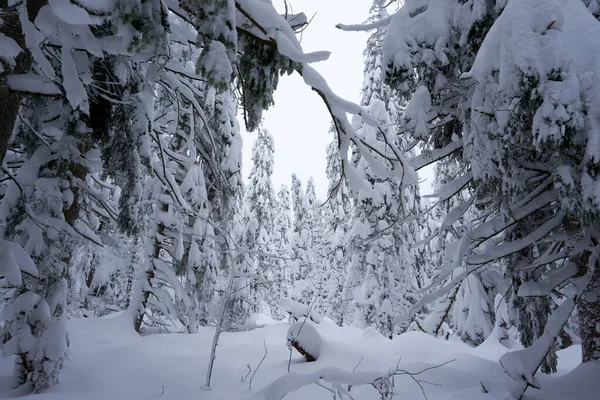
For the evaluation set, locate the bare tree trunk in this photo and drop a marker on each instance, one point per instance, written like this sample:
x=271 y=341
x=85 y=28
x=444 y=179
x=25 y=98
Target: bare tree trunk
x=221 y=322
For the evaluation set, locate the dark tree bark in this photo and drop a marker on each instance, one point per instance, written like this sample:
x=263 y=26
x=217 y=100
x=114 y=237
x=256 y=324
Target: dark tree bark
x=589 y=318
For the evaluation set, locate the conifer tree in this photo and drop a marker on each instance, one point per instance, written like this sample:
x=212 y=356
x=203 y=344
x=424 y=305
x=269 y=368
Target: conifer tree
x=337 y=210
x=44 y=206
x=369 y=224
x=380 y=260
x=258 y=216
x=314 y=272
x=282 y=276
x=298 y=243
x=521 y=141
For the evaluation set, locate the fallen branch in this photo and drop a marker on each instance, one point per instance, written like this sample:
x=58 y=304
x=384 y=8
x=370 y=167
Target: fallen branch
x=334 y=380
x=293 y=341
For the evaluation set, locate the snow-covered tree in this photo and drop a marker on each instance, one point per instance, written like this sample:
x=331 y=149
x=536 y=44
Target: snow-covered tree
x=374 y=86
x=314 y=268
x=380 y=208
x=298 y=244
x=139 y=94
x=222 y=170
x=472 y=315
x=381 y=269
x=335 y=239
x=43 y=210
x=520 y=130
x=282 y=274
x=258 y=217
x=551 y=120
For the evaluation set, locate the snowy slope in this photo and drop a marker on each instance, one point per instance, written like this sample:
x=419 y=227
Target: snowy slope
x=110 y=361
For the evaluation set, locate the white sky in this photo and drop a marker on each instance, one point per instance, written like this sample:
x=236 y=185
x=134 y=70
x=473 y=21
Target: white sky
x=299 y=121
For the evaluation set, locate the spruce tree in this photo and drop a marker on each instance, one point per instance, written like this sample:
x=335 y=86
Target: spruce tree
x=282 y=276
x=381 y=267
x=298 y=243
x=520 y=133
x=258 y=217
x=337 y=210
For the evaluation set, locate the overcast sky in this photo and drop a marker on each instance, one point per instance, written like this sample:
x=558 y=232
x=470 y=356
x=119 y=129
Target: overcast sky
x=299 y=121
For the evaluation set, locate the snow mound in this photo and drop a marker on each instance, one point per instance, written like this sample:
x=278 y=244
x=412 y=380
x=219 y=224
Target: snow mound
x=298 y=310
x=371 y=333
x=305 y=338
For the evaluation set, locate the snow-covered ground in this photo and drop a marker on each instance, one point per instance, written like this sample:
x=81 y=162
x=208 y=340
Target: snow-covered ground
x=109 y=360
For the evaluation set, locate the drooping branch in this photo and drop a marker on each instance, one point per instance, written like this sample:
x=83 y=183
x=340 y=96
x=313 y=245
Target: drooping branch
x=471 y=241
x=338 y=108
x=429 y=157
x=522 y=365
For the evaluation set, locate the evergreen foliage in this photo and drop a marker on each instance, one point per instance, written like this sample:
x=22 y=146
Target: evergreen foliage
x=121 y=186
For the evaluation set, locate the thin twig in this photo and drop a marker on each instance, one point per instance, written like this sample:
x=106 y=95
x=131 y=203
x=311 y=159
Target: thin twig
x=358 y=363
x=259 y=364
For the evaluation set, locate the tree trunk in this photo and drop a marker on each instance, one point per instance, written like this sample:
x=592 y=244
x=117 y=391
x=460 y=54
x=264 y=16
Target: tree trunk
x=589 y=318
x=150 y=274
x=228 y=260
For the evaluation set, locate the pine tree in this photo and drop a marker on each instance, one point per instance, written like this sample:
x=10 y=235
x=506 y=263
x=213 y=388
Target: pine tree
x=258 y=216
x=374 y=86
x=45 y=209
x=381 y=265
x=472 y=317
x=45 y=220
x=371 y=228
x=520 y=133
x=335 y=239
x=314 y=267
x=298 y=243
x=433 y=116
x=282 y=239
x=557 y=140
x=224 y=188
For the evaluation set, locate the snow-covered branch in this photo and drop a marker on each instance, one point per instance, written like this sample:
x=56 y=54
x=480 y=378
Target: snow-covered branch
x=428 y=157
x=461 y=264
x=522 y=365
x=382 y=382
x=366 y=27
x=338 y=108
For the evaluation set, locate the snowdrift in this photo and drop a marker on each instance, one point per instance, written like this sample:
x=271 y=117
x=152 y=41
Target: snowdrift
x=109 y=361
